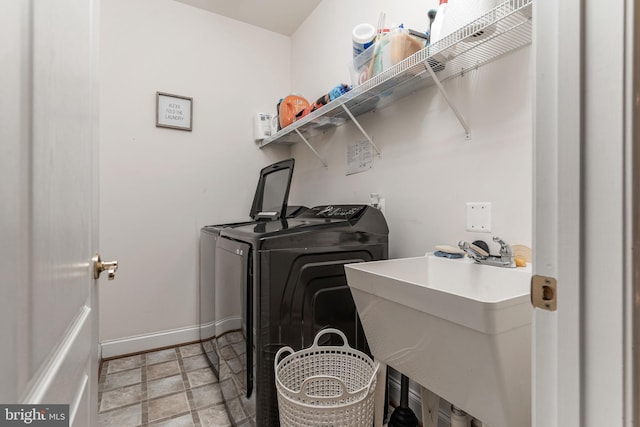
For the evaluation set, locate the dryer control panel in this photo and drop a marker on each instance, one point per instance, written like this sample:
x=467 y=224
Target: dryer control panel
x=342 y=212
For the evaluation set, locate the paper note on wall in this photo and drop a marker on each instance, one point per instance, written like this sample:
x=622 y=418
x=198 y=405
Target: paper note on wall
x=359 y=157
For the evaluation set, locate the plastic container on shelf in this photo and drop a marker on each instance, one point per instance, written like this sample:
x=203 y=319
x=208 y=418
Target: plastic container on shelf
x=289 y=108
x=363 y=37
x=390 y=49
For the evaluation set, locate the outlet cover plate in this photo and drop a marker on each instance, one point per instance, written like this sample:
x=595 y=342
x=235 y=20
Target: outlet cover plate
x=479 y=217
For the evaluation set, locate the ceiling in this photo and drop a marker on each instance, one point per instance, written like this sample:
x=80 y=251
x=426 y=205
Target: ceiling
x=280 y=16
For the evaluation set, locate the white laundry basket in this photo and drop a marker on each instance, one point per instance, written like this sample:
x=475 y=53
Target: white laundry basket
x=324 y=386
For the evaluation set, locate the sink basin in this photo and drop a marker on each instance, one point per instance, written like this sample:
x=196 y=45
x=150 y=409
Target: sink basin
x=460 y=329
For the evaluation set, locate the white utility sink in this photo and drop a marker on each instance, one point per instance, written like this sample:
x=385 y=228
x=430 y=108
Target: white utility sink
x=460 y=329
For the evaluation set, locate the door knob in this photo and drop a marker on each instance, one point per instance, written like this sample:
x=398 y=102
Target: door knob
x=99 y=266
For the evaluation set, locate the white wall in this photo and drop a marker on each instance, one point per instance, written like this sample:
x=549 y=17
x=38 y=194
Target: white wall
x=159 y=186
x=427 y=171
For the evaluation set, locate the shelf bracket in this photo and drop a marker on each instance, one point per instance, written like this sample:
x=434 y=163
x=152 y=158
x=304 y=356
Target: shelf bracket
x=366 y=135
x=310 y=147
x=449 y=101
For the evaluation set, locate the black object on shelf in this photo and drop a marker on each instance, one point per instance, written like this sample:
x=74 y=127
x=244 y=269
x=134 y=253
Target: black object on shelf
x=403 y=416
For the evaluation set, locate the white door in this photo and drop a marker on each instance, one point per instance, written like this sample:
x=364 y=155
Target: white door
x=49 y=191
x=585 y=101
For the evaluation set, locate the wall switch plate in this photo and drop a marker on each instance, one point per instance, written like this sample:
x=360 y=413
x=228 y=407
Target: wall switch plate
x=479 y=217
x=377 y=202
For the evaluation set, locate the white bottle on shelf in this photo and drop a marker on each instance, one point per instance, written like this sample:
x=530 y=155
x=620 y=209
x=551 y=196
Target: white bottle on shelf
x=436 y=27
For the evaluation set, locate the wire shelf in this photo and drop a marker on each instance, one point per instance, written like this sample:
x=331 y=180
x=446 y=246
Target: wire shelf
x=503 y=29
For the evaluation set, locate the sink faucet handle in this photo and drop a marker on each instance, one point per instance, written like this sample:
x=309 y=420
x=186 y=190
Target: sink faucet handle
x=465 y=247
x=505 y=248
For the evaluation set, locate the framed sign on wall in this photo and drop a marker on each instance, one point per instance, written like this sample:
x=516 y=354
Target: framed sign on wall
x=174 y=111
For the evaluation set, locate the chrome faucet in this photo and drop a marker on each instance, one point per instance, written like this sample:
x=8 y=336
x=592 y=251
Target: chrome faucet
x=480 y=256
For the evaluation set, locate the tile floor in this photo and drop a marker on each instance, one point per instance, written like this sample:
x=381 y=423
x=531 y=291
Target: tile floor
x=169 y=388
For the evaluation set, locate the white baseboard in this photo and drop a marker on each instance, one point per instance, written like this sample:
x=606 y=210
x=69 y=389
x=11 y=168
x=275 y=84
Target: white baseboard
x=138 y=343
x=228 y=324
x=208 y=330
x=145 y=342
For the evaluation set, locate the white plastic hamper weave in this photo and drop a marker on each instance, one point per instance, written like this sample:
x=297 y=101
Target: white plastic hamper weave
x=324 y=386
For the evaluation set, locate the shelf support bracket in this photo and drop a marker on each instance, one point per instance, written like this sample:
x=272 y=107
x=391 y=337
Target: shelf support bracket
x=310 y=147
x=366 y=135
x=449 y=101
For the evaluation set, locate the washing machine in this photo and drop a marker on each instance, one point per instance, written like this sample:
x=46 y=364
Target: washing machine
x=288 y=276
x=269 y=204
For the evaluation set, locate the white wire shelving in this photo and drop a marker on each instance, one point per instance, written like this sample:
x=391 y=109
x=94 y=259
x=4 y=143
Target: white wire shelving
x=502 y=30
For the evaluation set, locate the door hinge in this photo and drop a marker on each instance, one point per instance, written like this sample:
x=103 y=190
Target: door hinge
x=544 y=292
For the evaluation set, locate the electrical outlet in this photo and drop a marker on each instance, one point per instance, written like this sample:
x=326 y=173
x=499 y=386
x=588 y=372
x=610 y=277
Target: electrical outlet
x=479 y=217
x=377 y=202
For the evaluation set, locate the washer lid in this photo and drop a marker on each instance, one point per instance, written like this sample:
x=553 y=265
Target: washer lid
x=272 y=193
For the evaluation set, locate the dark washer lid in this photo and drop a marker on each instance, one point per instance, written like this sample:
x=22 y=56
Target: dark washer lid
x=336 y=225
x=272 y=193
